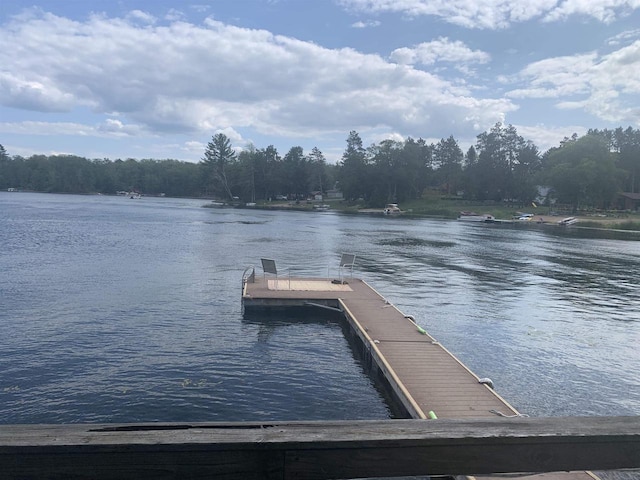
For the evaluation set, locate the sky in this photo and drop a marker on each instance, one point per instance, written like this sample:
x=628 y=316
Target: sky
x=157 y=78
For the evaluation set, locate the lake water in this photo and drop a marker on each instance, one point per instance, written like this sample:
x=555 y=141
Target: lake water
x=128 y=310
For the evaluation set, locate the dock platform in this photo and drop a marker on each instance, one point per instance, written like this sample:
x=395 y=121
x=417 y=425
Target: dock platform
x=423 y=374
x=426 y=379
x=476 y=432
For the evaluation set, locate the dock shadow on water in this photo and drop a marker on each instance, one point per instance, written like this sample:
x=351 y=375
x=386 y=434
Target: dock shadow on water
x=344 y=368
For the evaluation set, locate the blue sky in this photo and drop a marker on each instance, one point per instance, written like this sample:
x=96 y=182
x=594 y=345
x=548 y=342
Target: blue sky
x=157 y=79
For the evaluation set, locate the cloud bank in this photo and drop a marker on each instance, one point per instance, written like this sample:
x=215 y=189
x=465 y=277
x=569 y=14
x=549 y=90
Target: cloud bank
x=497 y=14
x=193 y=78
x=146 y=76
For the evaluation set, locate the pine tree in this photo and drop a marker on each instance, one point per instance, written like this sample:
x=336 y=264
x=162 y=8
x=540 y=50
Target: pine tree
x=217 y=158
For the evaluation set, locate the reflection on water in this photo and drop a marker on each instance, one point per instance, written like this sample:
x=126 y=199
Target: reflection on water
x=554 y=320
x=116 y=310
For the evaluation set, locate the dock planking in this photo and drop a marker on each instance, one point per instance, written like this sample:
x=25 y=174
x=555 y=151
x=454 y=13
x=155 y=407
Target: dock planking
x=477 y=441
x=424 y=376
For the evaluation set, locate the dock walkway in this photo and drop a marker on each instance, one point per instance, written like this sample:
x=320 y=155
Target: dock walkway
x=426 y=378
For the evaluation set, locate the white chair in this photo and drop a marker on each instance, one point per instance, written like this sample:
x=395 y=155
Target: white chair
x=347 y=260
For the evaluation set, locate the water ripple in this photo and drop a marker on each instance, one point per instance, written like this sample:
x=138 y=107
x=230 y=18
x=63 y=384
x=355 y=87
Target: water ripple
x=120 y=311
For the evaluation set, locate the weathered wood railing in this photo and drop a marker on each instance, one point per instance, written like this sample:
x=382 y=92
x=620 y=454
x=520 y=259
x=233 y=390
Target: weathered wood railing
x=318 y=450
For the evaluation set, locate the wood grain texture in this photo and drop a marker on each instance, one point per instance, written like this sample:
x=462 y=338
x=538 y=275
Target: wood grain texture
x=318 y=450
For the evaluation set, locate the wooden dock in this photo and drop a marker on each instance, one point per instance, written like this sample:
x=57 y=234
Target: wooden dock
x=423 y=374
x=477 y=432
x=425 y=378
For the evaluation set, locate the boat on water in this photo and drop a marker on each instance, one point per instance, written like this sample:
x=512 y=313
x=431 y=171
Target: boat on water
x=392 y=209
x=567 y=221
x=476 y=217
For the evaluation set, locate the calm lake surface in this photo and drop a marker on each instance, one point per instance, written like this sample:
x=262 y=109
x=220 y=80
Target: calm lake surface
x=128 y=310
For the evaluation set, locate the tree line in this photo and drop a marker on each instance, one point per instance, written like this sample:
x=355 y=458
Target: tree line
x=586 y=171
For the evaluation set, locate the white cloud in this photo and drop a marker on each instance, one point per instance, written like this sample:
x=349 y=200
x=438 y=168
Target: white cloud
x=116 y=128
x=367 y=24
x=173 y=15
x=440 y=50
x=46 y=128
x=194 y=147
x=380 y=137
x=109 y=129
x=556 y=77
x=606 y=86
x=605 y=11
x=140 y=16
x=623 y=37
x=33 y=92
x=548 y=136
x=186 y=78
x=234 y=136
x=201 y=8
x=495 y=14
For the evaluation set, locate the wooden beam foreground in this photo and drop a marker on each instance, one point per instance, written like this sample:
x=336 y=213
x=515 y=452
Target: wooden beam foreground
x=318 y=450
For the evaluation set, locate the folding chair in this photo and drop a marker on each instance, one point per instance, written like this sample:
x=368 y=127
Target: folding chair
x=269 y=266
x=347 y=260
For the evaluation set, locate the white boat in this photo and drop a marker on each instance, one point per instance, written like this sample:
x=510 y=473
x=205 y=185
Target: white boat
x=567 y=221
x=392 y=209
x=321 y=208
x=476 y=217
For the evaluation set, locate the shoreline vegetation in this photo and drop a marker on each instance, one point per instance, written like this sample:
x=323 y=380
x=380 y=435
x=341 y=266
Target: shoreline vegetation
x=431 y=207
x=449 y=210
x=594 y=179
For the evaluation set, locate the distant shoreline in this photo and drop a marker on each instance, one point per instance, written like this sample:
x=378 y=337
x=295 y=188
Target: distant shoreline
x=630 y=224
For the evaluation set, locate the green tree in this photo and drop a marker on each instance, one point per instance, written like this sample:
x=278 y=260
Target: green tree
x=627 y=145
x=492 y=175
x=389 y=173
x=418 y=162
x=352 y=173
x=471 y=156
x=262 y=174
x=526 y=174
x=4 y=169
x=218 y=159
x=128 y=175
x=248 y=163
x=318 y=179
x=40 y=173
x=71 y=174
x=295 y=172
x=448 y=156
x=582 y=172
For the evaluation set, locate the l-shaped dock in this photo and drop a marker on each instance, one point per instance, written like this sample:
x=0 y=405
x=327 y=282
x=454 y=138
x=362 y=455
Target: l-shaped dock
x=424 y=377
x=476 y=431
